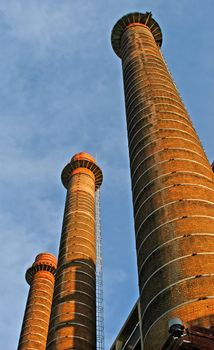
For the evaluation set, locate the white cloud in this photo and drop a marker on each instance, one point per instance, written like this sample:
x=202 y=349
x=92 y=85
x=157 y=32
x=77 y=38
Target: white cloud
x=60 y=93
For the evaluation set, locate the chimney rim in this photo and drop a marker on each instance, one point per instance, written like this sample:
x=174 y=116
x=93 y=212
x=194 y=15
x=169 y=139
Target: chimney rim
x=136 y=18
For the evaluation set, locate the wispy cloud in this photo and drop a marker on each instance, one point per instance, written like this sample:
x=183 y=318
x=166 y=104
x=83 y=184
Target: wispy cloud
x=61 y=92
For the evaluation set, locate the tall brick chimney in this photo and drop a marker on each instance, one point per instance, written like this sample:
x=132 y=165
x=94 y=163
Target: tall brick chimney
x=172 y=187
x=40 y=277
x=73 y=316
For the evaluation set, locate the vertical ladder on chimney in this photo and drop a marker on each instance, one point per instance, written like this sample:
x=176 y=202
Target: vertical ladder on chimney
x=99 y=277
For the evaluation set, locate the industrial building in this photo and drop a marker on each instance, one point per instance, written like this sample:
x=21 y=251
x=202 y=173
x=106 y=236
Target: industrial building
x=129 y=337
x=173 y=196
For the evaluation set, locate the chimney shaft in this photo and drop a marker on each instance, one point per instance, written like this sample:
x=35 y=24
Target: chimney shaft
x=172 y=187
x=73 y=317
x=40 y=277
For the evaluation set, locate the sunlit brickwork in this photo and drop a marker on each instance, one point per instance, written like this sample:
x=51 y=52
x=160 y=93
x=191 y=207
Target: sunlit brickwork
x=40 y=277
x=172 y=188
x=73 y=317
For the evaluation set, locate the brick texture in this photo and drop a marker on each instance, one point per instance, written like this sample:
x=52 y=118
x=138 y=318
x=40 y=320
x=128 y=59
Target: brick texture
x=37 y=313
x=172 y=187
x=73 y=316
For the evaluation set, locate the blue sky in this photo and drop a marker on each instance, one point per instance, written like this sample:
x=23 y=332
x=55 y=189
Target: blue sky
x=61 y=93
